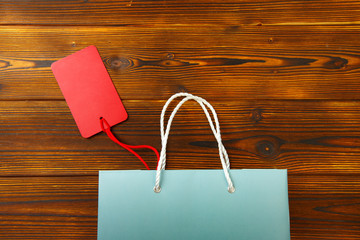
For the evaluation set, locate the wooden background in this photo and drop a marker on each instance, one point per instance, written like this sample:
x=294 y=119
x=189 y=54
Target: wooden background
x=284 y=77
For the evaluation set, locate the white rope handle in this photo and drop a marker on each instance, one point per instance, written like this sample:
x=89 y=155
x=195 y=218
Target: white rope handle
x=215 y=129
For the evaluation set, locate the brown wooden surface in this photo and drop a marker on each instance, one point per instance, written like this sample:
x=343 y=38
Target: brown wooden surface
x=283 y=76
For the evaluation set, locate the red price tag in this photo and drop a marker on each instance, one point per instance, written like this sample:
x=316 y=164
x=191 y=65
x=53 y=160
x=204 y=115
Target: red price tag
x=88 y=91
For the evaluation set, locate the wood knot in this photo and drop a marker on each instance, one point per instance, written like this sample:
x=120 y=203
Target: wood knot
x=336 y=63
x=265 y=148
x=169 y=56
x=256 y=115
x=118 y=63
x=271 y=40
x=268 y=147
x=172 y=63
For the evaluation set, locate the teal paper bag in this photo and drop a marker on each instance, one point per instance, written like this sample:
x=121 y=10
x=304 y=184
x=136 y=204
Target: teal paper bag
x=249 y=204
x=193 y=204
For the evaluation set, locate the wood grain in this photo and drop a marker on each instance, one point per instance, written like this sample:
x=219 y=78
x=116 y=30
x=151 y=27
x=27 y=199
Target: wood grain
x=322 y=207
x=41 y=138
x=198 y=12
x=282 y=75
x=38 y=208
x=48 y=207
x=234 y=65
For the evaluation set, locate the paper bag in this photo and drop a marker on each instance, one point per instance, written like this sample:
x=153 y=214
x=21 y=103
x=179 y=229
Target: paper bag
x=193 y=204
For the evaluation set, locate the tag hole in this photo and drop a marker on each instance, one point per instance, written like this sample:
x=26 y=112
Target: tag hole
x=101 y=118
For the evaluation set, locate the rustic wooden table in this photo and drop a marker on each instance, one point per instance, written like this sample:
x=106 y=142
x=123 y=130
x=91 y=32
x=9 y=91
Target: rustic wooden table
x=283 y=76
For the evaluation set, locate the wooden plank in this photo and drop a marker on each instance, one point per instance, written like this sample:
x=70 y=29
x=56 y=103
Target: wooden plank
x=321 y=207
x=41 y=138
x=48 y=207
x=198 y=12
x=279 y=62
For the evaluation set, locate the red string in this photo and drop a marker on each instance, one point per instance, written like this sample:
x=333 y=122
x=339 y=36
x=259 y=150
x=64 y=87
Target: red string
x=107 y=130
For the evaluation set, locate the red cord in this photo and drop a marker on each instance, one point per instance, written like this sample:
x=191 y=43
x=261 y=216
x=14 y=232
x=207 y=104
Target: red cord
x=107 y=130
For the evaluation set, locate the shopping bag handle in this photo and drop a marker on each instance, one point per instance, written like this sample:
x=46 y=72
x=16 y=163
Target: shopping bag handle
x=215 y=129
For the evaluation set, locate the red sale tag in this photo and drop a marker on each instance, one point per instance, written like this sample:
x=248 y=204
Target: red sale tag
x=88 y=91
